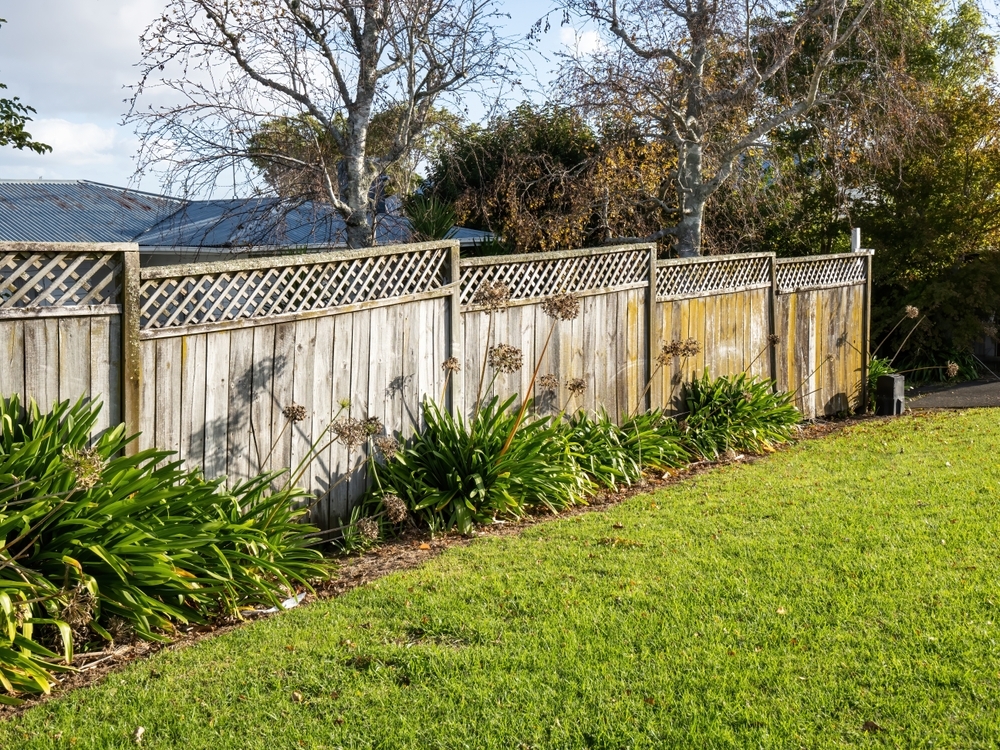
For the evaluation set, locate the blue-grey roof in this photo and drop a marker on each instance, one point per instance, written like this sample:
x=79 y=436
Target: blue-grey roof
x=83 y=211
x=260 y=222
x=77 y=211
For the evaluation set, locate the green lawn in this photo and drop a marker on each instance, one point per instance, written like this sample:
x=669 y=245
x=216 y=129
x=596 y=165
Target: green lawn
x=783 y=604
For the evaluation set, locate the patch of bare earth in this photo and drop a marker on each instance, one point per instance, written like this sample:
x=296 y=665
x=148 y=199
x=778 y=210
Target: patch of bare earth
x=411 y=549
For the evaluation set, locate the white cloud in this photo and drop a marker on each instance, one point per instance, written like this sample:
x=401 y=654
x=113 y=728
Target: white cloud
x=581 y=43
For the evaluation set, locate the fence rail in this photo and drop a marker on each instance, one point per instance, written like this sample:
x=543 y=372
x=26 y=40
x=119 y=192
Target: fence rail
x=203 y=359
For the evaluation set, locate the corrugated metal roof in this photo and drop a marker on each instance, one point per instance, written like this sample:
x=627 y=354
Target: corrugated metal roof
x=83 y=211
x=77 y=211
x=260 y=221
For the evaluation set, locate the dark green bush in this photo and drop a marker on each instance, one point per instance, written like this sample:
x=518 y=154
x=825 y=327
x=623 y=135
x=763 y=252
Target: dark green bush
x=456 y=474
x=611 y=455
x=735 y=412
x=94 y=543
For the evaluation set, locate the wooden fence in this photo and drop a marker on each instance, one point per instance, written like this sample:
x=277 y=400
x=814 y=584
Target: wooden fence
x=203 y=359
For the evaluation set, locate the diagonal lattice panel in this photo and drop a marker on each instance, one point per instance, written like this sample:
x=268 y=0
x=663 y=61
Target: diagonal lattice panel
x=59 y=279
x=532 y=279
x=712 y=275
x=230 y=295
x=820 y=272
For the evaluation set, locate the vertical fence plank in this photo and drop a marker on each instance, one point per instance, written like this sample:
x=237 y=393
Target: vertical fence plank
x=217 y=356
x=238 y=438
x=193 y=392
x=131 y=350
x=12 y=358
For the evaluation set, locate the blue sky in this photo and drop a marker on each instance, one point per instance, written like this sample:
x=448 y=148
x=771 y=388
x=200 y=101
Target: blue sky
x=72 y=59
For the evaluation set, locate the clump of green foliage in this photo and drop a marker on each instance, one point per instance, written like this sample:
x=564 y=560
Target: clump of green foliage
x=736 y=412
x=95 y=544
x=457 y=474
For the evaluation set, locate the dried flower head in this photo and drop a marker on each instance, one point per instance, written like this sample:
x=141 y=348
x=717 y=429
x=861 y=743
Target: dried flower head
x=368 y=528
x=86 y=464
x=387 y=445
x=668 y=352
x=911 y=311
x=345 y=403
x=451 y=365
x=773 y=339
x=951 y=370
x=690 y=348
x=564 y=306
x=548 y=382
x=576 y=386
x=78 y=610
x=120 y=629
x=990 y=329
x=294 y=413
x=349 y=431
x=395 y=508
x=373 y=426
x=492 y=295
x=747 y=396
x=506 y=358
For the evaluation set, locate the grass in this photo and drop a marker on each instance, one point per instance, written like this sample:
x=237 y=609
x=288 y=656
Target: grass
x=780 y=604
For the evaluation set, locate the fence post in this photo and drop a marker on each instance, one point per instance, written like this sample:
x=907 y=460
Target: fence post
x=654 y=398
x=131 y=352
x=772 y=322
x=866 y=333
x=455 y=343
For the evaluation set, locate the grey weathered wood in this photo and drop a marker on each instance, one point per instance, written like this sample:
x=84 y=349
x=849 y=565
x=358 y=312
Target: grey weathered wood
x=456 y=342
x=217 y=353
x=75 y=311
x=11 y=358
x=131 y=370
x=194 y=388
x=866 y=324
x=74 y=359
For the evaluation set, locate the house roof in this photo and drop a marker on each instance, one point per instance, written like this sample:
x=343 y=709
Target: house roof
x=84 y=211
x=77 y=211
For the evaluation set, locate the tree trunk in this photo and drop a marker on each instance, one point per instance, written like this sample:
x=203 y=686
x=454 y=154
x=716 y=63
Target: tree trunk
x=691 y=199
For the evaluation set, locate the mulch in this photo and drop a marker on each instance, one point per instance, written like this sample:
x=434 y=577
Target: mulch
x=410 y=550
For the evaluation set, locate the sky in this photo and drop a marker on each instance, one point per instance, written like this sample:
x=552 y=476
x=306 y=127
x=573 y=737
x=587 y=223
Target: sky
x=72 y=60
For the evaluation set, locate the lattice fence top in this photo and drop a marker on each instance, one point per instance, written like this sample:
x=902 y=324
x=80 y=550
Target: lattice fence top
x=544 y=276
x=730 y=273
x=231 y=294
x=59 y=279
x=821 y=272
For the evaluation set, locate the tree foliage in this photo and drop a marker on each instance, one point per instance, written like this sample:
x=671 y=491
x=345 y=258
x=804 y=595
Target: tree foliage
x=545 y=178
x=14 y=116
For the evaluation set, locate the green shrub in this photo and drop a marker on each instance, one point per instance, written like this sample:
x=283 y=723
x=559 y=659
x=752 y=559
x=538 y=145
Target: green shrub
x=735 y=412
x=456 y=474
x=611 y=455
x=94 y=542
x=430 y=218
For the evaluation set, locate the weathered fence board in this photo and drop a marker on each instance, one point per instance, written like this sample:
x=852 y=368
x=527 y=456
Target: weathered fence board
x=205 y=359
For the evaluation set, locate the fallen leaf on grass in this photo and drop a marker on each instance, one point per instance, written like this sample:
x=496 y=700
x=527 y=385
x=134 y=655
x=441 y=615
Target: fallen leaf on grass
x=425 y=545
x=137 y=735
x=296 y=696
x=782 y=611
x=871 y=726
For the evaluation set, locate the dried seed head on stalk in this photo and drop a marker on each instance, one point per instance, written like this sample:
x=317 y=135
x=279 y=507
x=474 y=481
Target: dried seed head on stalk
x=911 y=311
x=294 y=413
x=690 y=348
x=951 y=370
x=86 y=464
x=368 y=528
x=564 y=306
x=373 y=426
x=451 y=365
x=506 y=358
x=667 y=353
x=395 y=508
x=492 y=295
x=349 y=431
x=747 y=396
x=387 y=445
x=576 y=386
x=78 y=610
x=548 y=382
x=990 y=329
x=773 y=339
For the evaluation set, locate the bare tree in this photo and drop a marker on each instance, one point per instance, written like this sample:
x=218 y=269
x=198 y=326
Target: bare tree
x=226 y=68
x=711 y=77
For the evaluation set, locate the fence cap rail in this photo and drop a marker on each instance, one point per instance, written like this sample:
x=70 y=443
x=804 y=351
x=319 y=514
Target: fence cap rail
x=496 y=260
x=669 y=262
x=69 y=247
x=297 y=259
x=819 y=258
